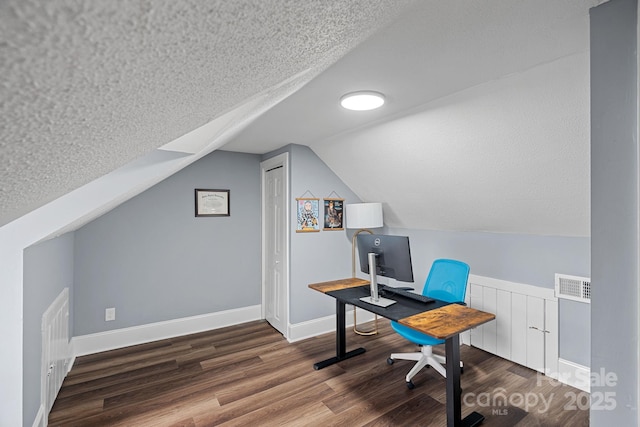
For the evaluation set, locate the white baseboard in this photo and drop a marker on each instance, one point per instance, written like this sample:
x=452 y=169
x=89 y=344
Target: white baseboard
x=323 y=325
x=103 y=341
x=575 y=375
x=41 y=420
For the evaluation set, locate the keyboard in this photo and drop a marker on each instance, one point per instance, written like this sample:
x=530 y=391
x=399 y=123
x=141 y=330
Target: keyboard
x=411 y=295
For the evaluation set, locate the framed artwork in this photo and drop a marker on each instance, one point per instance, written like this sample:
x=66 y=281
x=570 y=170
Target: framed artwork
x=308 y=215
x=212 y=202
x=333 y=214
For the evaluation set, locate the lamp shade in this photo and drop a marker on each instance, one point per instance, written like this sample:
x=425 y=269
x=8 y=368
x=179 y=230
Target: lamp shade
x=364 y=215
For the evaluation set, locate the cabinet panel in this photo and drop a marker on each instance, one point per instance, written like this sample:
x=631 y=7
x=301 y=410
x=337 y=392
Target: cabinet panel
x=503 y=324
x=551 y=338
x=519 y=328
x=475 y=301
x=489 y=332
x=535 y=333
x=525 y=330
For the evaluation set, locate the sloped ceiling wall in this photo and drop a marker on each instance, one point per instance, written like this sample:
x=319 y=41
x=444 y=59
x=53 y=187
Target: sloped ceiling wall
x=88 y=86
x=508 y=156
x=486 y=125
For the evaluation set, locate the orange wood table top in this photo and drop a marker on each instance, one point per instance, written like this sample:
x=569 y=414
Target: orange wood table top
x=447 y=321
x=440 y=323
x=336 y=285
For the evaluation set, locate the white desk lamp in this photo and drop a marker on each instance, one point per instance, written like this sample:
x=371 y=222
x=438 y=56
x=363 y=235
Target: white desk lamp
x=362 y=216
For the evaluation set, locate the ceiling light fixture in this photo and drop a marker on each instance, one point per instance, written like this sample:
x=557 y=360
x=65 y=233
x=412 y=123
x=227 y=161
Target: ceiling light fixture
x=362 y=100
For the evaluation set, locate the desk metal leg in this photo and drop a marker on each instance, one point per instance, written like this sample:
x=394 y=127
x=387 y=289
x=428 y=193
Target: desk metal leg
x=454 y=392
x=341 y=340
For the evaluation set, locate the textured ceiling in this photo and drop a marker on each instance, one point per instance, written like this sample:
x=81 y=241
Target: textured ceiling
x=486 y=125
x=87 y=87
x=433 y=50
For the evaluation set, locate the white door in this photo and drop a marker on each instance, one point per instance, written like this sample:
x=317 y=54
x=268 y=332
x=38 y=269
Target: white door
x=275 y=253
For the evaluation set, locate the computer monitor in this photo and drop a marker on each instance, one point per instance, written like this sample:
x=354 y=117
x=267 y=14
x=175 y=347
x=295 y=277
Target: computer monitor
x=387 y=256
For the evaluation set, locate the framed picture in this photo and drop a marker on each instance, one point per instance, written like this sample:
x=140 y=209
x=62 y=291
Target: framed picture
x=212 y=202
x=308 y=215
x=333 y=214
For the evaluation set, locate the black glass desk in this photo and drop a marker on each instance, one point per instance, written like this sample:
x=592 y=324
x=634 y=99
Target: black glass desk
x=438 y=319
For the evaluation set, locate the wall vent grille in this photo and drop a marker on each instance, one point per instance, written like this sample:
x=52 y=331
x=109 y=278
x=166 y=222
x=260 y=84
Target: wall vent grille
x=573 y=287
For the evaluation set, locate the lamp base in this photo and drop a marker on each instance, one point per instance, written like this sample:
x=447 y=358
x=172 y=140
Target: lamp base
x=381 y=302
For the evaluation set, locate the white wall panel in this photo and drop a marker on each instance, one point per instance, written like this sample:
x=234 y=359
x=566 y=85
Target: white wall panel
x=489 y=332
x=503 y=324
x=519 y=329
x=535 y=333
x=475 y=301
x=551 y=342
x=526 y=326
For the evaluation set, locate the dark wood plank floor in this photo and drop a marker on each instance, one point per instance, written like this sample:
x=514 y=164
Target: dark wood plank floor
x=248 y=375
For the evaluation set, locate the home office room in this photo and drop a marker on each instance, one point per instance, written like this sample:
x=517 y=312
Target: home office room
x=187 y=199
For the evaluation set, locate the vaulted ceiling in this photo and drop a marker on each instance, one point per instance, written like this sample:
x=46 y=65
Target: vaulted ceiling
x=486 y=125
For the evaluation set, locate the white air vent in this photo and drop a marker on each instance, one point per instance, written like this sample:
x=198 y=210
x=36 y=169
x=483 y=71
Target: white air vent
x=573 y=287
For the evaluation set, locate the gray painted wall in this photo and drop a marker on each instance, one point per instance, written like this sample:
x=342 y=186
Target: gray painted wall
x=614 y=211
x=48 y=269
x=153 y=260
x=316 y=256
x=528 y=259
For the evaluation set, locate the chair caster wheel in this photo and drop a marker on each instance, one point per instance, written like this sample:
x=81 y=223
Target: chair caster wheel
x=410 y=385
x=461 y=370
x=390 y=361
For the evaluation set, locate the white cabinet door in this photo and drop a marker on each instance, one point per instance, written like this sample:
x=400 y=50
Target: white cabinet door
x=551 y=338
x=525 y=330
x=535 y=333
x=519 y=328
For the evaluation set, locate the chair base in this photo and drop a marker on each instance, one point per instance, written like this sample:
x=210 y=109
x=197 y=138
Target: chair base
x=425 y=357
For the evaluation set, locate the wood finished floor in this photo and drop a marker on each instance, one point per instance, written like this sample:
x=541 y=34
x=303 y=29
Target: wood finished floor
x=248 y=375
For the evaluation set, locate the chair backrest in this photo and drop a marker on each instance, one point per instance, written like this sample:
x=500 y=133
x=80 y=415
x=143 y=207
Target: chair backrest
x=447 y=280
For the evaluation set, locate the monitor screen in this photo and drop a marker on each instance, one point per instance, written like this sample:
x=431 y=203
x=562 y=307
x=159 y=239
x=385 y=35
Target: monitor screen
x=393 y=257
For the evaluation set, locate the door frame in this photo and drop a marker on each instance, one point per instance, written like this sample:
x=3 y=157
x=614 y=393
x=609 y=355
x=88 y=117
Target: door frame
x=274 y=162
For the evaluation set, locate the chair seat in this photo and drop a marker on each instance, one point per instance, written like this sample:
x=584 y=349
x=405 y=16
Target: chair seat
x=447 y=281
x=415 y=336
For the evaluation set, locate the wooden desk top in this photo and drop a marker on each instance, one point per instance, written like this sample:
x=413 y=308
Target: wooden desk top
x=447 y=321
x=336 y=285
x=440 y=323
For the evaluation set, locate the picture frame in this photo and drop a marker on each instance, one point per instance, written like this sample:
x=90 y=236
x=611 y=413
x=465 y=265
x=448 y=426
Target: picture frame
x=211 y=202
x=333 y=214
x=308 y=215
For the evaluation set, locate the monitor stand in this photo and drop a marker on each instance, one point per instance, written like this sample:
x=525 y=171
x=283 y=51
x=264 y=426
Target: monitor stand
x=375 y=299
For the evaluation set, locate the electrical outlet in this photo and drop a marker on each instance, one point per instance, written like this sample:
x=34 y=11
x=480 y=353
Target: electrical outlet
x=109 y=314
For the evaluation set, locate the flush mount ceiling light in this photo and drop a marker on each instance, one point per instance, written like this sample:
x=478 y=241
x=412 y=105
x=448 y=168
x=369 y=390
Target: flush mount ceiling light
x=362 y=101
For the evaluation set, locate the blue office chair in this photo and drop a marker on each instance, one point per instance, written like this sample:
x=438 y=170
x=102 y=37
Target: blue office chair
x=447 y=281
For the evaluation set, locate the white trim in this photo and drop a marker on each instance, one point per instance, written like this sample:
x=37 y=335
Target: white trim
x=324 y=325
x=519 y=288
x=41 y=419
x=575 y=375
x=118 y=338
x=638 y=196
